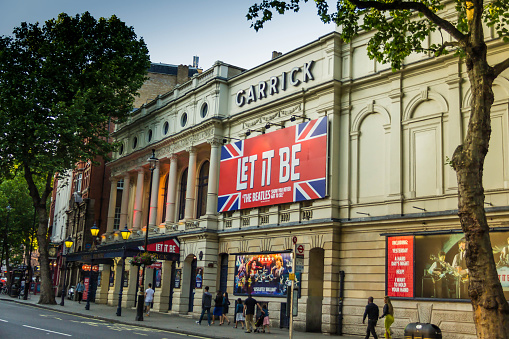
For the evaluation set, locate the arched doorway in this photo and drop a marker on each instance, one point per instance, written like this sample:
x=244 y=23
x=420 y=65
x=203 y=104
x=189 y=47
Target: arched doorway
x=315 y=291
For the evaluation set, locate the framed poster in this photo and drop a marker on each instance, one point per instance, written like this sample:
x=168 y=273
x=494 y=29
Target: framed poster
x=157 y=273
x=178 y=276
x=199 y=277
x=126 y=278
x=262 y=274
x=112 y=278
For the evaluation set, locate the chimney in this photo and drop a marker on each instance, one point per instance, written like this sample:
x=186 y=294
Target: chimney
x=182 y=74
x=276 y=54
x=196 y=59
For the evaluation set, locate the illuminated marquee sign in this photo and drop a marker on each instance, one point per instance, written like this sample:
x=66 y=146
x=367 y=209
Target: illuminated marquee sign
x=400 y=266
x=284 y=166
x=275 y=84
x=167 y=246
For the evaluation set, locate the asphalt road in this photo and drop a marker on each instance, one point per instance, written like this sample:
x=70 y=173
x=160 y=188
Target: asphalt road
x=19 y=321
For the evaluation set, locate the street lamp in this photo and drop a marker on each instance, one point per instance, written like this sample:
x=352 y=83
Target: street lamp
x=68 y=244
x=139 y=307
x=125 y=235
x=94 y=230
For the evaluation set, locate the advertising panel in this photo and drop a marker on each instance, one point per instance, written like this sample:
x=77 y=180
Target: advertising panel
x=439 y=267
x=284 y=166
x=400 y=266
x=262 y=274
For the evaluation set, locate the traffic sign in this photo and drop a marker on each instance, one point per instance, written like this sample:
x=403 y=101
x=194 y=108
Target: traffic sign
x=294 y=239
x=300 y=249
x=299 y=263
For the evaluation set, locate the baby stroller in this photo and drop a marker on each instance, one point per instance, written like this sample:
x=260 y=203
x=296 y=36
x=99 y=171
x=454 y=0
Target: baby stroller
x=259 y=323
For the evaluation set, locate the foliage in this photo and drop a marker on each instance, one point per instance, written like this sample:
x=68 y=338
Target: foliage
x=144 y=258
x=62 y=84
x=392 y=21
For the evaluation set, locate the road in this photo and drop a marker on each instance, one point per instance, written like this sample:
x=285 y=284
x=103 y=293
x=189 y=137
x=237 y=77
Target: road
x=19 y=321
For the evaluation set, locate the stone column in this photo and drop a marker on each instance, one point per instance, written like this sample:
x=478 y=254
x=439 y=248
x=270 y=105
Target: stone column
x=125 y=202
x=162 y=295
x=191 y=185
x=154 y=196
x=113 y=203
x=213 y=187
x=101 y=295
x=138 y=200
x=172 y=190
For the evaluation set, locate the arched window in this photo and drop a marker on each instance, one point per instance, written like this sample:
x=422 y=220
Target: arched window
x=182 y=195
x=203 y=184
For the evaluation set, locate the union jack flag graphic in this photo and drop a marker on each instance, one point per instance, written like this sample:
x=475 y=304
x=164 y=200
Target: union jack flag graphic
x=308 y=190
x=229 y=202
x=311 y=129
x=233 y=150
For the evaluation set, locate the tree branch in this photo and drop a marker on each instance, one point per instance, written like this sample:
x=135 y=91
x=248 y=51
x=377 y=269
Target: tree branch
x=500 y=67
x=446 y=44
x=416 y=6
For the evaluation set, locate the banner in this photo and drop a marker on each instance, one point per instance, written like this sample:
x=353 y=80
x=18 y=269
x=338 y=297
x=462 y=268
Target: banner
x=284 y=166
x=400 y=266
x=262 y=274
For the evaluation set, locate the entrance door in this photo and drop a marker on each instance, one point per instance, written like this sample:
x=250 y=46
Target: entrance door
x=223 y=276
x=192 y=284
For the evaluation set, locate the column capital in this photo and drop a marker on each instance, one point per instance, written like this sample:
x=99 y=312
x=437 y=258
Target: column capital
x=191 y=149
x=114 y=178
x=140 y=169
x=215 y=142
x=173 y=157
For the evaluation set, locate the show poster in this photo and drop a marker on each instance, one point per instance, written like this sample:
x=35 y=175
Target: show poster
x=199 y=277
x=178 y=276
x=439 y=265
x=262 y=274
x=400 y=266
x=86 y=282
x=283 y=166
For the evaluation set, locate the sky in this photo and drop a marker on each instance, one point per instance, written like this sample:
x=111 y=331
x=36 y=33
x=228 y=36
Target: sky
x=176 y=30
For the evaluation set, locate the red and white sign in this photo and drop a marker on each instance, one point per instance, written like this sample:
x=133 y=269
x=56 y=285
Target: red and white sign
x=300 y=249
x=167 y=246
x=294 y=239
x=400 y=266
x=284 y=166
x=157 y=265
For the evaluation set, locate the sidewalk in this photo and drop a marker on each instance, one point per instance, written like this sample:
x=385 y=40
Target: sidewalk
x=162 y=321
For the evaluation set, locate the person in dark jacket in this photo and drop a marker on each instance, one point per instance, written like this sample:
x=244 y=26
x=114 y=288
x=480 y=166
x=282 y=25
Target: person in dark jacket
x=372 y=313
x=226 y=303
x=206 y=304
x=218 y=307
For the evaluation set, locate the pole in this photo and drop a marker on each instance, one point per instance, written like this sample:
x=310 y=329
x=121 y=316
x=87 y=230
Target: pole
x=291 y=292
x=141 y=297
x=121 y=290
x=65 y=275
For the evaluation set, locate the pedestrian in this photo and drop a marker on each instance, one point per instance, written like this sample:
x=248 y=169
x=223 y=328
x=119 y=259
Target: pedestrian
x=80 y=288
x=266 y=321
x=218 y=307
x=372 y=313
x=149 y=298
x=239 y=314
x=249 y=310
x=226 y=303
x=206 y=303
x=388 y=313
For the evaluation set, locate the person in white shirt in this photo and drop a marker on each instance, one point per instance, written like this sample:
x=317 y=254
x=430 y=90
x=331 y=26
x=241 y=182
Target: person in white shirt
x=149 y=298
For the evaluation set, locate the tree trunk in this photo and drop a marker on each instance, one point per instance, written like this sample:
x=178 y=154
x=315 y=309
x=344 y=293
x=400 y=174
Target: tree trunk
x=491 y=310
x=47 y=292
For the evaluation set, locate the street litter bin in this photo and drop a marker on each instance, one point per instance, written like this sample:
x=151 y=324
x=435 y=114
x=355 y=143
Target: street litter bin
x=422 y=331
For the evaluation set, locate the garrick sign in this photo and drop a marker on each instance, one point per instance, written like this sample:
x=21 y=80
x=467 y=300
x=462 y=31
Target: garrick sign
x=275 y=84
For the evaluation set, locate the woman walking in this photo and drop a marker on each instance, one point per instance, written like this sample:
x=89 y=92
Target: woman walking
x=218 y=307
x=226 y=303
x=80 y=288
x=389 y=316
x=239 y=314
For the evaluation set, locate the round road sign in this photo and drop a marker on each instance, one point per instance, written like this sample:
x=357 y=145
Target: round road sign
x=300 y=249
x=294 y=239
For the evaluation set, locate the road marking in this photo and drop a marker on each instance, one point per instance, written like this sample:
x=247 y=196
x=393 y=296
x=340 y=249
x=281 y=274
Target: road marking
x=5 y=321
x=42 y=329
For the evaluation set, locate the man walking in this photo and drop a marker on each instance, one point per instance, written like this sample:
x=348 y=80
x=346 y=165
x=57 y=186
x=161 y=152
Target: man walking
x=249 y=310
x=149 y=298
x=206 y=303
x=372 y=313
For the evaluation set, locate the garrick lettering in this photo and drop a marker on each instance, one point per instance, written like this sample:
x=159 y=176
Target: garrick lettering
x=274 y=85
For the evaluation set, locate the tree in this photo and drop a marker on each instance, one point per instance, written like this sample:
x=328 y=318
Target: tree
x=61 y=85
x=391 y=21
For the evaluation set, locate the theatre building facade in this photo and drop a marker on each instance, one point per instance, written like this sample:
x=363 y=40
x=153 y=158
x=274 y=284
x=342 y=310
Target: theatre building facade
x=321 y=146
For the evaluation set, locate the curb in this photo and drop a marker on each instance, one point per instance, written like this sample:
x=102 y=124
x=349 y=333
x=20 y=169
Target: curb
x=114 y=320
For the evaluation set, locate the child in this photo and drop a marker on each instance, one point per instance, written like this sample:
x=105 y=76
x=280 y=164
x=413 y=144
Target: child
x=239 y=314
x=266 y=321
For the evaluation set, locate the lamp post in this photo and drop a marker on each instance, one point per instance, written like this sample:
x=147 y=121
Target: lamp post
x=6 y=233
x=94 y=230
x=68 y=244
x=139 y=307
x=125 y=235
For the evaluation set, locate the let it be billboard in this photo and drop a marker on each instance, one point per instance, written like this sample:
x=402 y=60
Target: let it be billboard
x=287 y=165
